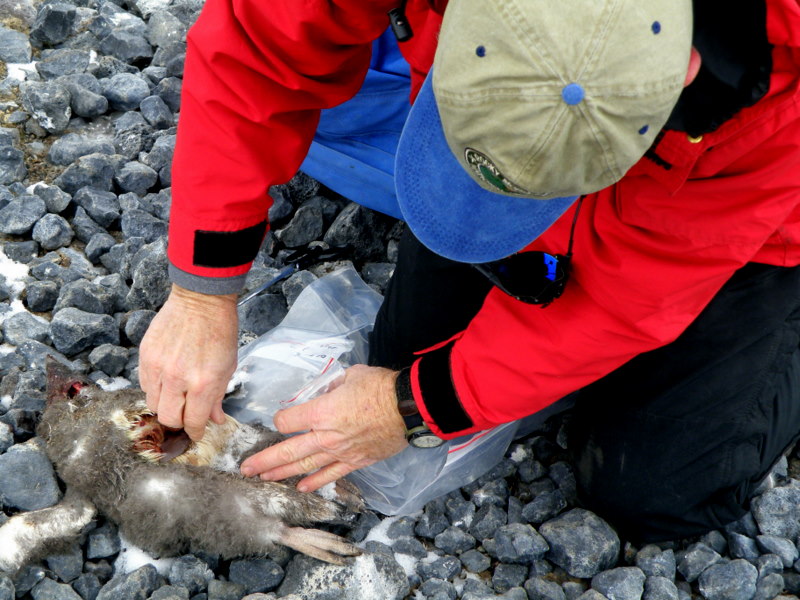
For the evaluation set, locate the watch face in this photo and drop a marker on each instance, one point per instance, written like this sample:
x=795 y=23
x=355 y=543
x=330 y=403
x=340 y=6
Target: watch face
x=426 y=440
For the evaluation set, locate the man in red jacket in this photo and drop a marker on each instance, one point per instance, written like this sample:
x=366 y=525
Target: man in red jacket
x=680 y=321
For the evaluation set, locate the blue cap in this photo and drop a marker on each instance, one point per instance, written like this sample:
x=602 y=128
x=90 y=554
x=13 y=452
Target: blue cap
x=446 y=209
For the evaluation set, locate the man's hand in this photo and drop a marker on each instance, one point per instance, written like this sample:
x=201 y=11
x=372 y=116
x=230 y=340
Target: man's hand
x=187 y=357
x=350 y=427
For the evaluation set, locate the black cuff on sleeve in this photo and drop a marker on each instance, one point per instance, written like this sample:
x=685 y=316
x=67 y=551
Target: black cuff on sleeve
x=222 y=249
x=438 y=391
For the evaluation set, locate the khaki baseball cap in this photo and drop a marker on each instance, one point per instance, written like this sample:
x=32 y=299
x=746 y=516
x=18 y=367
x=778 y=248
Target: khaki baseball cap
x=536 y=103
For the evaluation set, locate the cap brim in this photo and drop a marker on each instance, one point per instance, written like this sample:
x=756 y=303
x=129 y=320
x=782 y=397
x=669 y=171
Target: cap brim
x=446 y=209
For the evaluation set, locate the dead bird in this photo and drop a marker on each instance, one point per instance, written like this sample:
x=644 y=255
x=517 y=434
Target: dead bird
x=168 y=495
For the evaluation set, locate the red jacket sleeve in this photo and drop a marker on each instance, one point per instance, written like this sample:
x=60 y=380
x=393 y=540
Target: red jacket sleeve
x=256 y=76
x=649 y=254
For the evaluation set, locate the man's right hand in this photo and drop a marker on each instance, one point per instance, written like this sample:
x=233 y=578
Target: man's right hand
x=187 y=358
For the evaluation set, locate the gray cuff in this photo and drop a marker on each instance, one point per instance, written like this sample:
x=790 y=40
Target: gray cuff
x=215 y=286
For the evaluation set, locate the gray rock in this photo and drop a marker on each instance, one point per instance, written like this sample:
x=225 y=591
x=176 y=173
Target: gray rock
x=697 y=559
x=136 y=177
x=100 y=243
x=85 y=227
x=137 y=585
x=71 y=146
x=433 y=520
x=12 y=165
x=163 y=29
x=137 y=323
x=52 y=231
x=225 y=590
x=541 y=589
x=93 y=170
x=55 y=199
x=438 y=589
x=53 y=24
x=22 y=252
x=138 y=223
x=293 y=286
x=660 y=588
x=741 y=546
x=127 y=47
x=784 y=548
x=118 y=258
x=48 y=104
x=23 y=326
x=622 y=583
x=360 y=227
x=410 y=546
x=769 y=587
x=7 y=591
x=190 y=572
x=27 y=578
x=47 y=589
x=655 y=562
x=87 y=296
x=87 y=585
x=506 y=576
x=581 y=543
x=262 y=313
x=447 y=567
x=170 y=592
x=378 y=274
x=519 y=543
x=14 y=46
x=304 y=227
x=20 y=215
x=160 y=154
x=475 y=561
x=454 y=541
x=65 y=61
x=735 y=580
x=73 y=330
x=67 y=564
x=151 y=284
x=401 y=527
x=486 y=521
x=371 y=577
x=104 y=542
x=492 y=492
x=769 y=563
x=777 y=512
x=110 y=359
x=86 y=94
x=544 y=506
x=256 y=574
x=6 y=441
x=27 y=479
x=156 y=112
x=102 y=206
x=169 y=90
x=125 y=91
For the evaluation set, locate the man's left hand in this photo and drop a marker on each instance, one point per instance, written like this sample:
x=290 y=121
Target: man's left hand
x=352 y=426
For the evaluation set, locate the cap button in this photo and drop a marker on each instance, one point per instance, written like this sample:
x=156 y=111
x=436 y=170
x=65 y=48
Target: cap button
x=573 y=94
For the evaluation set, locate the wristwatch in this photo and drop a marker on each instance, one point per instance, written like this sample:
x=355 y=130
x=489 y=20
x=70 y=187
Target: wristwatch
x=418 y=433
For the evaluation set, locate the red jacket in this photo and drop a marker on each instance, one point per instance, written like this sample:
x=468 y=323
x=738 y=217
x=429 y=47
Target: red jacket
x=650 y=252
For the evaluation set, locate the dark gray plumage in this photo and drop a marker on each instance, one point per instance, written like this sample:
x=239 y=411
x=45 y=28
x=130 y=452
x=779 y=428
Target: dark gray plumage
x=113 y=456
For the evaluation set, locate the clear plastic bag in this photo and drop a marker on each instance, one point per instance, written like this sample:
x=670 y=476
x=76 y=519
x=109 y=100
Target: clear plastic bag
x=325 y=331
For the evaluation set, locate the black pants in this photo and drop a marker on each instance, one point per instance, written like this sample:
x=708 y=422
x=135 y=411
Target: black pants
x=674 y=442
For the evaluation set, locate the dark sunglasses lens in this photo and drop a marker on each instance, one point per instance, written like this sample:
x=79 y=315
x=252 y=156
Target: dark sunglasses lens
x=533 y=277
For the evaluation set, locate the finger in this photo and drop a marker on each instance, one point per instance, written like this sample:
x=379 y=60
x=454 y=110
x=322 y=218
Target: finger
x=170 y=406
x=217 y=414
x=287 y=452
x=306 y=464
x=152 y=395
x=295 y=418
x=325 y=476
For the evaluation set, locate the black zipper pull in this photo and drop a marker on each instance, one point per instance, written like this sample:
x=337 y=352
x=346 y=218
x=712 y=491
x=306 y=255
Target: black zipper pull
x=400 y=26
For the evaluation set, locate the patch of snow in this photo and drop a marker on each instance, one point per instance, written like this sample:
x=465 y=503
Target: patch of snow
x=132 y=557
x=519 y=454
x=15 y=273
x=6 y=401
x=20 y=71
x=32 y=188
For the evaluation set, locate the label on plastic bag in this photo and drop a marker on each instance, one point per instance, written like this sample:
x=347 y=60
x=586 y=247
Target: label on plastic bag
x=318 y=352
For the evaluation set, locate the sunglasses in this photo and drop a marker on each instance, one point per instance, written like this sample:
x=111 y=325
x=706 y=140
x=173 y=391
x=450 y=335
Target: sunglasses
x=532 y=277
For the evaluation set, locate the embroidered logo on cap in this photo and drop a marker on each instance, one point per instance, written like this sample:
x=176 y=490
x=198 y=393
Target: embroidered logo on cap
x=487 y=171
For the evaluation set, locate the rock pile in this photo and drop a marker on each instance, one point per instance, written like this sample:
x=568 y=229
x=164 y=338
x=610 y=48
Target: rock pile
x=89 y=101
